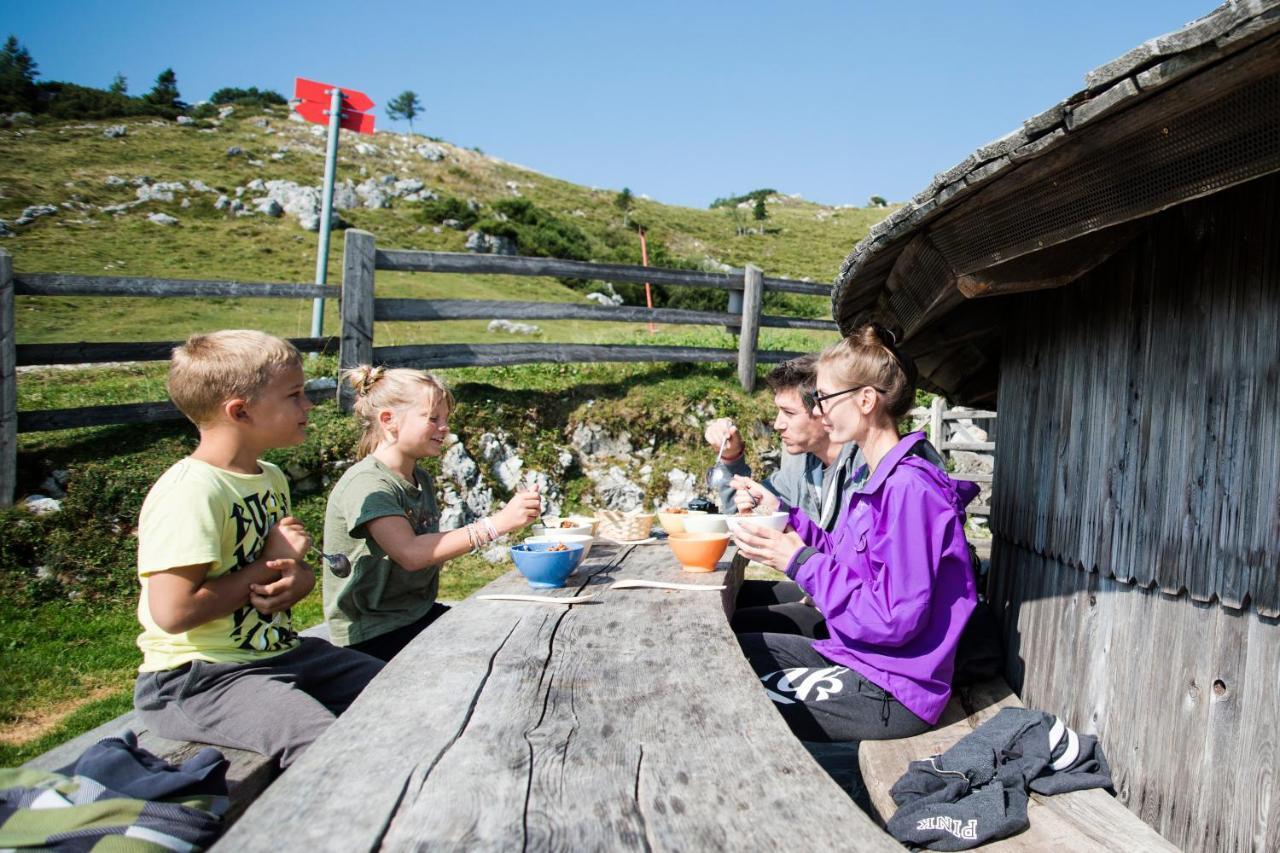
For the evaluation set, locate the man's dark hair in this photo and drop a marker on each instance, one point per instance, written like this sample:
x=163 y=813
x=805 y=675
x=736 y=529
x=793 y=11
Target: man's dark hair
x=799 y=375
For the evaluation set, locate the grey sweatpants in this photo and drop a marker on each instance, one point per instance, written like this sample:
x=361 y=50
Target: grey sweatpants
x=275 y=707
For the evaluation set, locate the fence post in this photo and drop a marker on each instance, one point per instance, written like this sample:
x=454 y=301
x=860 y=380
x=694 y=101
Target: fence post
x=8 y=385
x=749 y=336
x=735 y=307
x=936 y=433
x=356 y=344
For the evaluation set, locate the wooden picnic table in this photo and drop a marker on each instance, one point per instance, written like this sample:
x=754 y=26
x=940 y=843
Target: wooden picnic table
x=633 y=722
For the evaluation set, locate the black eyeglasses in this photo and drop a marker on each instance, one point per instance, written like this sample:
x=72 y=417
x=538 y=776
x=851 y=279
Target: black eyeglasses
x=815 y=399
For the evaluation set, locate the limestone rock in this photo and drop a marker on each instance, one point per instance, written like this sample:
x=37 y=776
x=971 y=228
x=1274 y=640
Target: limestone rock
x=490 y=244
x=431 y=152
x=34 y=212
x=512 y=328
x=457 y=465
x=269 y=207
x=615 y=491
x=115 y=181
x=162 y=191
x=42 y=505
x=502 y=459
x=115 y=131
x=364 y=149
x=235 y=151
x=184 y=120
x=222 y=203
x=682 y=487
x=226 y=112
x=592 y=442
x=345 y=196
x=162 y=219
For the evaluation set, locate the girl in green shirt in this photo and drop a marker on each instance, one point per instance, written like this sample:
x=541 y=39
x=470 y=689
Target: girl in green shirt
x=382 y=514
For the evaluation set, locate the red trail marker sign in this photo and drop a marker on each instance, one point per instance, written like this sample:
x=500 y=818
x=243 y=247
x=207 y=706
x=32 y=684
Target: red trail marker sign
x=322 y=103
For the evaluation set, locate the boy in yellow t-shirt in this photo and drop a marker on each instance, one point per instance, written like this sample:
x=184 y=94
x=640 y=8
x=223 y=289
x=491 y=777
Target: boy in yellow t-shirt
x=221 y=562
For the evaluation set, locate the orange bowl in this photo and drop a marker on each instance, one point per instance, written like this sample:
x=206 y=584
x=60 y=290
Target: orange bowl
x=698 y=552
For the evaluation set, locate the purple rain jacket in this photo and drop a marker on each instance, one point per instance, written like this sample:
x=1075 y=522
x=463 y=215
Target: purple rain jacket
x=894 y=580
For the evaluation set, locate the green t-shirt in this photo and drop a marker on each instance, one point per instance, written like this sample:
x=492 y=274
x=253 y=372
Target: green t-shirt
x=378 y=596
x=198 y=514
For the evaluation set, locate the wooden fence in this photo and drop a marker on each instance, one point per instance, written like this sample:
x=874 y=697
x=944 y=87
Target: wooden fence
x=360 y=309
x=936 y=417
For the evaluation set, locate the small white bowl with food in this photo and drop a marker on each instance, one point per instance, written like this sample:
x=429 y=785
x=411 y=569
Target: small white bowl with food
x=708 y=523
x=774 y=521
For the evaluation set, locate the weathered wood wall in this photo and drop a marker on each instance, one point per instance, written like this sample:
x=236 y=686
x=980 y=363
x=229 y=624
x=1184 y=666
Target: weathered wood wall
x=1137 y=514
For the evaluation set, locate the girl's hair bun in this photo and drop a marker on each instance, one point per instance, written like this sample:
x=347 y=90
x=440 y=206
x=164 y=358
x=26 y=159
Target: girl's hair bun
x=363 y=377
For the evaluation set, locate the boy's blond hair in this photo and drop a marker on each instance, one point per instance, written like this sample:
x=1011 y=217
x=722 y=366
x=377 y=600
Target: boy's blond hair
x=210 y=369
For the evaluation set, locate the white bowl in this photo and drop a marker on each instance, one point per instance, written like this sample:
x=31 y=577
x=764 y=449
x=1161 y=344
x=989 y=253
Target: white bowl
x=586 y=541
x=552 y=523
x=776 y=521
x=708 y=523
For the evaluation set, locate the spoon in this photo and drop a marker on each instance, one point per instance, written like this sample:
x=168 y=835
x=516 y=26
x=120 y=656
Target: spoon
x=717 y=474
x=338 y=564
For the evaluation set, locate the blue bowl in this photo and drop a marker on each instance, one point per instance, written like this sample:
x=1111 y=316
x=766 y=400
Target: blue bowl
x=545 y=569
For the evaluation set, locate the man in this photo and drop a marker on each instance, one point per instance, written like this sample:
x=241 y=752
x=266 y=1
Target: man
x=816 y=474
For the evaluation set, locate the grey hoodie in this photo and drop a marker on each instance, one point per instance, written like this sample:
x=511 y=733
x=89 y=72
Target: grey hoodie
x=977 y=790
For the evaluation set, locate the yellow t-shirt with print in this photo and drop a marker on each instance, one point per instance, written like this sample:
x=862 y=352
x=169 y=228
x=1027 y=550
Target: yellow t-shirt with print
x=195 y=514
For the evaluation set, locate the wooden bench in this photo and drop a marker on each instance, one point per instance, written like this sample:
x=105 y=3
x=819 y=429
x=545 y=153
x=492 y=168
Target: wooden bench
x=248 y=775
x=1081 y=820
x=630 y=723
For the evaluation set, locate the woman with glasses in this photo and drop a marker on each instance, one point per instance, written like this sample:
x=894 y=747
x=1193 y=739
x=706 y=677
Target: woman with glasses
x=893 y=581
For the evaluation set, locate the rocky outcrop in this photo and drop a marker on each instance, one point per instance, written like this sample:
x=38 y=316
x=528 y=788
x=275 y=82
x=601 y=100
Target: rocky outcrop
x=490 y=244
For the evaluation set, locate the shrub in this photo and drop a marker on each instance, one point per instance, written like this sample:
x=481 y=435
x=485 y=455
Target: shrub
x=536 y=231
x=735 y=200
x=251 y=97
x=437 y=210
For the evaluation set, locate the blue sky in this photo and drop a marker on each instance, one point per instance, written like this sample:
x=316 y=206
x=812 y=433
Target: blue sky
x=683 y=102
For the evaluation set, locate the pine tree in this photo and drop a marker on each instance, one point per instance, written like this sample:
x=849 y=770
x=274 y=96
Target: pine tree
x=165 y=92
x=760 y=214
x=17 y=78
x=624 y=201
x=405 y=106
x=119 y=86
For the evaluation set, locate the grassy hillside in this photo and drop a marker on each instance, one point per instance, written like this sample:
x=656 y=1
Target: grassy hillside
x=68 y=164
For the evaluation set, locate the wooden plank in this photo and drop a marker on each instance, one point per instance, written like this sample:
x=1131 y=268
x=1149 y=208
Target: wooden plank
x=937 y=434
x=514 y=726
x=424 y=310
x=46 y=420
x=434 y=356
x=749 y=334
x=8 y=385
x=474 y=264
x=356 y=346
x=61 y=284
x=973 y=446
x=97 y=353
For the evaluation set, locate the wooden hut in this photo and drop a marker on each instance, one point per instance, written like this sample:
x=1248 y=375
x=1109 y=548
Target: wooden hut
x=1108 y=277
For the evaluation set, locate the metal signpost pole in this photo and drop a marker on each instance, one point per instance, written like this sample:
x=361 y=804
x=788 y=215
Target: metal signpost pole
x=326 y=212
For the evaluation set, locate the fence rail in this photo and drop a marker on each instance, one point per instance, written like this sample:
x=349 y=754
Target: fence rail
x=360 y=309
x=937 y=416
